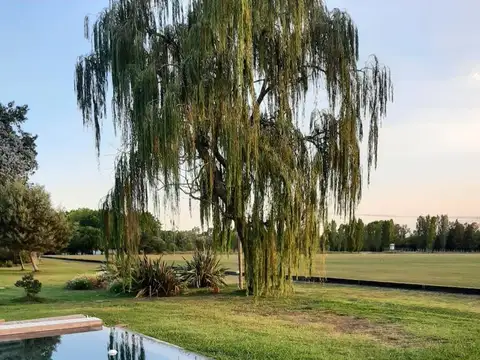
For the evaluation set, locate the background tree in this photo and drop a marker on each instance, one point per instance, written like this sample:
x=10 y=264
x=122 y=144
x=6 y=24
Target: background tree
x=28 y=221
x=84 y=240
x=208 y=96
x=388 y=233
x=150 y=228
x=331 y=235
x=421 y=231
x=443 y=226
x=400 y=235
x=433 y=233
x=469 y=237
x=85 y=217
x=343 y=233
x=455 y=235
x=87 y=234
x=432 y=223
x=359 y=235
x=17 y=147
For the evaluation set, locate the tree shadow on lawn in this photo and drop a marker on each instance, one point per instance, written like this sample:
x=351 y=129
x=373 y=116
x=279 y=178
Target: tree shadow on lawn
x=55 y=294
x=225 y=292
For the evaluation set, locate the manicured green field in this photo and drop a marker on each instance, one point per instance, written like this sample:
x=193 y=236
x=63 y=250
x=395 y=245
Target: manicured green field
x=438 y=269
x=318 y=322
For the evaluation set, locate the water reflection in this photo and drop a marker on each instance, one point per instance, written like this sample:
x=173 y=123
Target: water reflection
x=30 y=349
x=128 y=346
x=94 y=345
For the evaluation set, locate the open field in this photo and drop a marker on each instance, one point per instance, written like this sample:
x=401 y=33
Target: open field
x=452 y=269
x=318 y=322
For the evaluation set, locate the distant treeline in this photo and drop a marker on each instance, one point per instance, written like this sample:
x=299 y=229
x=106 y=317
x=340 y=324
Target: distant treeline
x=87 y=235
x=432 y=233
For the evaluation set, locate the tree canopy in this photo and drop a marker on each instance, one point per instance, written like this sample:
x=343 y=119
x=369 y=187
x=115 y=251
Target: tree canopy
x=209 y=97
x=17 y=147
x=28 y=222
x=87 y=234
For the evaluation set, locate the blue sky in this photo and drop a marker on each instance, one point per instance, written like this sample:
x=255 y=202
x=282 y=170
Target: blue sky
x=428 y=151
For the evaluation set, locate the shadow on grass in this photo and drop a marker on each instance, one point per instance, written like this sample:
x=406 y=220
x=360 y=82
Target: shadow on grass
x=227 y=292
x=57 y=294
x=30 y=300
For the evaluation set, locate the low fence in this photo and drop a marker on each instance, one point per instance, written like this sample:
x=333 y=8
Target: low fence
x=332 y=280
x=73 y=259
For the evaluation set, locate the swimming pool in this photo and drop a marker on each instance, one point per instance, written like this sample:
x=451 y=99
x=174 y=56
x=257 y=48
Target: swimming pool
x=94 y=345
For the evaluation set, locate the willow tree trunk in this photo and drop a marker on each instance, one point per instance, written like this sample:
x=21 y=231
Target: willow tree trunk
x=33 y=257
x=240 y=266
x=246 y=251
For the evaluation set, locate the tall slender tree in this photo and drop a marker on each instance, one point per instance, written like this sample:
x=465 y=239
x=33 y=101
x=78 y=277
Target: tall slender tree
x=443 y=227
x=359 y=235
x=388 y=233
x=208 y=98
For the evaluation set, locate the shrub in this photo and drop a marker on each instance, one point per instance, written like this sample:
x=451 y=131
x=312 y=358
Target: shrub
x=153 y=278
x=103 y=278
x=87 y=282
x=6 y=264
x=31 y=286
x=203 y=270
x=116 y=286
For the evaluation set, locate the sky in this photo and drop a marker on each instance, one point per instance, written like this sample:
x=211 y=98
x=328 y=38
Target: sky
x=428 y=149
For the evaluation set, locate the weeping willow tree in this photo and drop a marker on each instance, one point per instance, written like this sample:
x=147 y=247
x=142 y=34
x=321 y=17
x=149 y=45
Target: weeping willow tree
x=209 y=97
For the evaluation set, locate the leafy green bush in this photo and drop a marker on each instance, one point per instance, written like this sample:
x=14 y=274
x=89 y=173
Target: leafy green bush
x=152 y=278
x=204 y=270
x=31 y=286
x=87 y=282
x=117 y=286
x=6 y=264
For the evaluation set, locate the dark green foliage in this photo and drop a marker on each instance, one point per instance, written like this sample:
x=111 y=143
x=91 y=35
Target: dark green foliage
x=388 y=228
x=28 y=221
x=31 y=286
x=186 y=240
x=154 y=278
x=443 y=227
x=85 y=217
x=86 y=282
x=117 y=286
x=426 y=231
x=29 y=349
x=17 y=147
x=208 y=97
x=87 y=235
x=152 y=244
x=432 y=233
x=85 y=240
x=6 y=263
x=204 y=270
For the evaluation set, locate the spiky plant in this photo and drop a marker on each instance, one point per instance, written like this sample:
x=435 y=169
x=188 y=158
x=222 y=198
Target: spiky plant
x=154 y=278
x=204 y=270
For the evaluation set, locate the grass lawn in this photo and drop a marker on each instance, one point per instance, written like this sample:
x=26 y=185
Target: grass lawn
x=438 y=269
x=318 y=322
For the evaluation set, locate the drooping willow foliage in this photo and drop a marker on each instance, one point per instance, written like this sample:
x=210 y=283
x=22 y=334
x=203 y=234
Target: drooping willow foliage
x=209 y=99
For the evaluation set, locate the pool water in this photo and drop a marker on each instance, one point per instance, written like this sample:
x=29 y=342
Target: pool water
x=94 y=345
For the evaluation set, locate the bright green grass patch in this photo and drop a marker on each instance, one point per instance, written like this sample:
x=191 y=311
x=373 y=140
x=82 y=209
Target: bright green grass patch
x=318 y=322
x=438 y=269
